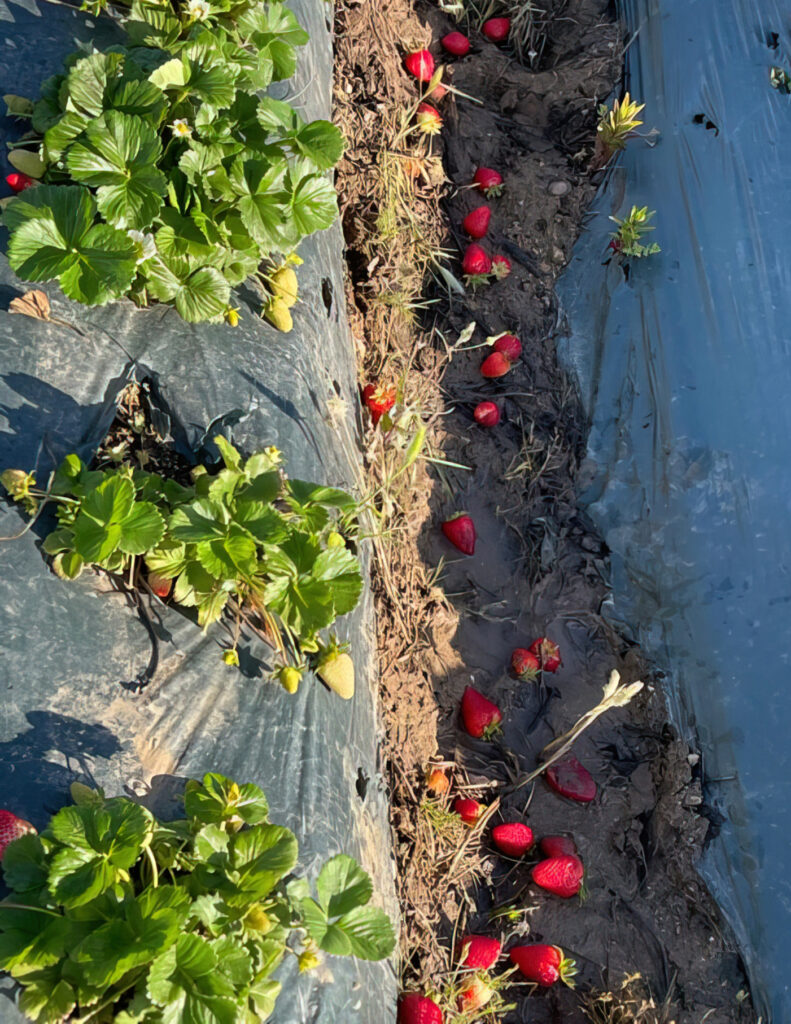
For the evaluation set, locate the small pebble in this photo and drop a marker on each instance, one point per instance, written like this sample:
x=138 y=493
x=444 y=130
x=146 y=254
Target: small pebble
x=559 y=188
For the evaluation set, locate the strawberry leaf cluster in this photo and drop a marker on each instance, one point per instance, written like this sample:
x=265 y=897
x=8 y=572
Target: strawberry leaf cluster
x=248 y=533
x=114 y=915
x=168 y=175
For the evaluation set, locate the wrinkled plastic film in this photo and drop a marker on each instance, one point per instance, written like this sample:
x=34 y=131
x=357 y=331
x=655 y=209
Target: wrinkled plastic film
x=684 y=371
x=67 y=649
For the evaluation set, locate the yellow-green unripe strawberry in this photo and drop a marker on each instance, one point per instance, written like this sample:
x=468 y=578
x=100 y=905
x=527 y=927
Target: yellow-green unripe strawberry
x=283 y=284
x=289 y=678
x=335 y=540
x=277 y=313
x=336 y=669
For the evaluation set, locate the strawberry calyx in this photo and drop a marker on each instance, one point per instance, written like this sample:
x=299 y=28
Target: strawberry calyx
x=567 y=968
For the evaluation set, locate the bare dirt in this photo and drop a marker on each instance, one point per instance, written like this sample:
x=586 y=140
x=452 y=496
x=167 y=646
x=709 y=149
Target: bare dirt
x=538 y=568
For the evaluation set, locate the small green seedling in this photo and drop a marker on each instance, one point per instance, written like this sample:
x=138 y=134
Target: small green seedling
x=625 y=242
x=615 y=126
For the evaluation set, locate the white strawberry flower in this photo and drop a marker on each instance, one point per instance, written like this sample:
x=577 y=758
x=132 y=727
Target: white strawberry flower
x=181 y=129
x=199 y=10
x=145 y=244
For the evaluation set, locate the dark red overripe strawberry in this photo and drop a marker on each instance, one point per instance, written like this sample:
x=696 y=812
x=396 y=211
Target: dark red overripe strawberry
x=468 y=810
x=437 y=782
x=428 y=119
x=543 y=964
x=558 y=846
x=489 y=181
x=510 y=346
x=479 y=952
x=12 y=828
x=476 y=265
x=496 y=29
x=525 y=664
x=487 y=414
x=379 y=400
x=420 y=64
x=513 y=838
x=456 y=43
x=475 y=995
x=460 y=531
x=19 y=182
x=501 y=267
x=480 y=716
x=547 y=653
x=561 y=876
x=476 y=223
x=572 y=779
x=416 y=1009
x=497 y=364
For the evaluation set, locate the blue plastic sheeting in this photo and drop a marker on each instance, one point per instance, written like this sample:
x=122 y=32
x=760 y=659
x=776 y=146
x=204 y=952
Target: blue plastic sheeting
x=66 y=649
x=685 y=371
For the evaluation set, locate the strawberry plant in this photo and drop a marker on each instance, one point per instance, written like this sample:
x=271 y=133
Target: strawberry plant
x=614 y=128
x=247 y=540
x=626 y=241
x=165 y=175
x=116 y=916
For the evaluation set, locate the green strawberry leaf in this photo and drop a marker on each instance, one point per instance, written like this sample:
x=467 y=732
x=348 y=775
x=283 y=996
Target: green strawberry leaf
x=314 y=205
x=200 y=520
x=342 y=885
x=369 y=931
x=230 y=557
x=233 y=961
x=262 y=199
x=87 y=81
x=198 y=295
x=320 y=142
x=63 y=132
x=185 y=982
x=46 y=997
x=262 y=855
x=217 y=799
x=339 y=567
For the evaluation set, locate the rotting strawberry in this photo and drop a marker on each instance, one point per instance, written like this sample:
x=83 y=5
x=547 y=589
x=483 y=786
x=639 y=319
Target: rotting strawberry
x=460 y=531
x=476 y=223
x=558 y=846
x=562 y=876
x=480 y=716
x=571 y=779
x=476 y=265
x=439 y=92
x=437 y=782
x=160 y=585
x=479 y=952
x=379 y=400
x=467 y=809
x=416 y=1009
x=420 y=64
x=543 y=964
x=428 y=119
x=496 y=30
x=489 y=181
x=524 y=664
x=547 y=653
x=487 y=414
x=11 y=828
x=456 y=43
x=497 y=364
x=510 y=346
x=513 y=838
x=19 y=182
x=475 y=995
x=501 y=267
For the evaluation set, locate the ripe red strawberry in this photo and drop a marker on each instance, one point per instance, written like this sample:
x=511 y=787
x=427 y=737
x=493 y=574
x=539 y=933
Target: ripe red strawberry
x=558 y=846
x=456 y=43
x=159 y=584
x=416 y=1009
x=487 y=414
x=468 y=810
x=513 y=838
x=561 y=876
x=496 y=29
x=460 y=531
x=428 y=119
x=19 y=182
x=490 y=182
x=525 y=664
x=572 y=779
x=480 y=952
x=496 y=365
x=543 y=964
x=510 y=346
x=480 y=716
x=476 y=223
x=379 y=400
x=546 y=652
x=12 y=828
x=501 y=267
x=475 y=995
x=476 y=265
x=437 y=782
x=420 y=64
